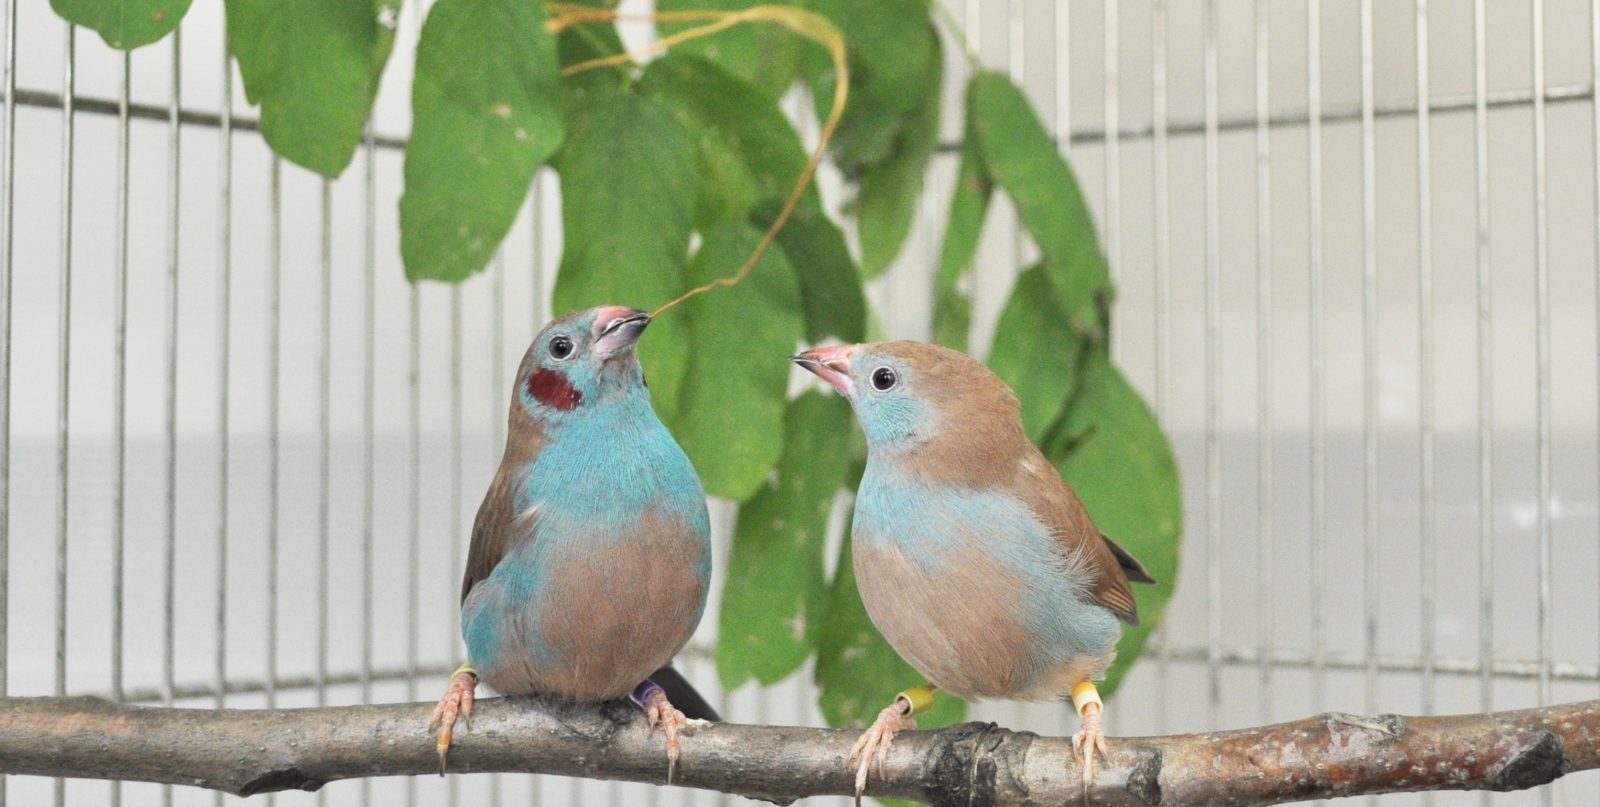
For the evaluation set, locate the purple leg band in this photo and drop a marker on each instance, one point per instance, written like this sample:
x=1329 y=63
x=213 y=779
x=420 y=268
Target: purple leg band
x=641 y=693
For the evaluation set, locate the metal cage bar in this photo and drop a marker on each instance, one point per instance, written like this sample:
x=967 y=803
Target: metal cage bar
x=224 y=368
x=8 y=185
x=1161 y=251
x=1541 y=262
x=1213 y=337
x=1318 y=374
x=119 y=426
x=369 y=400
x=1594 y=131
x=1337 y=112
x=1485 y=302
x=64 y=365
x=1426 y=425
x=1369 y=360
x=1264 y=357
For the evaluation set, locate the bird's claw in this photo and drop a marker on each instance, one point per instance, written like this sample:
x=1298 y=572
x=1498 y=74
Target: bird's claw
x=1089 y=743
x=456 y=704
x=658 y=711
x=873 y=744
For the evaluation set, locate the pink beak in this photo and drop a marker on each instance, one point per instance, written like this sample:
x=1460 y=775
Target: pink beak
x=617 y=328
x=831 y=364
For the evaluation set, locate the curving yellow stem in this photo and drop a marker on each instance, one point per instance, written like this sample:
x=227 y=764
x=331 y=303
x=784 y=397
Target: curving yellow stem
x=808 y=24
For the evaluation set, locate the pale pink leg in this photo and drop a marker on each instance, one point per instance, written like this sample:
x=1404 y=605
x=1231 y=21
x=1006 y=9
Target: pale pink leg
x=457 y=702
x=873 y=744
x=658 y=711
x=1088 y=743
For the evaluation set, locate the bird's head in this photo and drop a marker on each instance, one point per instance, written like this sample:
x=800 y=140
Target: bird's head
x=580 y=361
x=907 y=393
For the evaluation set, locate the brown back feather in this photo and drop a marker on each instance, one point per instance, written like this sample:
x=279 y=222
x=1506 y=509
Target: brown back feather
x=1054 y=502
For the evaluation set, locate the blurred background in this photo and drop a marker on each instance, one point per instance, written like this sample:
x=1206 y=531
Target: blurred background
x=1355 y=247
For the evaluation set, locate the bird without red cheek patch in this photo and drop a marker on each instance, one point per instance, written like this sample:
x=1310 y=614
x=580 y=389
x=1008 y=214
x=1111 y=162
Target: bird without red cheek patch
x=551 y=389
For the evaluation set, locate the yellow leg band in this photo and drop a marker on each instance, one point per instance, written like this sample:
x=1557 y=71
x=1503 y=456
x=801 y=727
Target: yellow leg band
x=1084 y=694
x=464 y=668
x=920 y=699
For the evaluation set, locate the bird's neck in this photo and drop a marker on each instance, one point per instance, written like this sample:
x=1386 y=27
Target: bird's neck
x=607 y=465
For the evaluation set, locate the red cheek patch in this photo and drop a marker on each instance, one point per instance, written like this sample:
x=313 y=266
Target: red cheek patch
x=551 y=389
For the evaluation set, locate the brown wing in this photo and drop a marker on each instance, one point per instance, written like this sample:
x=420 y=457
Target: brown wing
x=499 y=527
x=1108 y=565
x=496 y=529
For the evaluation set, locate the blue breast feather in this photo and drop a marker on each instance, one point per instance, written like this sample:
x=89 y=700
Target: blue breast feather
x=596 y=477
x=602 y=468
x=943 y=526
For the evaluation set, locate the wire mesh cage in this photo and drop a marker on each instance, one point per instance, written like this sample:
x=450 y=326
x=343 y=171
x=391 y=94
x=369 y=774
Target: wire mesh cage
x=1355 y=248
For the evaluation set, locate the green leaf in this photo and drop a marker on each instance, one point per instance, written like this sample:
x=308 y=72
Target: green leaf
x=313 y=67
x=1024 y=162
x=746 y=151
x=858 y=671
x=1035 y=351
x=891 y=40
x=748 y=158
x=763 y=54
x=730 y=422
x=775 y=598
x=952 y=300
x=830 y=287
x=1122 y=468
x=485 y=114
x=580 y=43
x=124 y=24
x=891 y=188
x=627 y=206
x=890 y=46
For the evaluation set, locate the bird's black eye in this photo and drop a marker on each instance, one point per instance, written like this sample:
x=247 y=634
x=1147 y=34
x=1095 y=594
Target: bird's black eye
x=560 y=347
x=883 y=379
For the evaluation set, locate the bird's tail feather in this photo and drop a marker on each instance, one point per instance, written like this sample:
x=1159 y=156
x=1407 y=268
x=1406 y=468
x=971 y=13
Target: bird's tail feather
x=1130 y=565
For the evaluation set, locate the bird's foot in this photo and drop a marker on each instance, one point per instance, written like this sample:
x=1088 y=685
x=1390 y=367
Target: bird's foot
x=1090 y=742
x=873 y=744
x=456 y=703
x=658 y=711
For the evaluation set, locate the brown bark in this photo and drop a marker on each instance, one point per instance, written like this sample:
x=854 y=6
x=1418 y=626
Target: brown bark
x=246 y=752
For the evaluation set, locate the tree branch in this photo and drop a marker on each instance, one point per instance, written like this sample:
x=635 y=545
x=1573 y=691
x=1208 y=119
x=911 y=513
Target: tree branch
x=247 y=751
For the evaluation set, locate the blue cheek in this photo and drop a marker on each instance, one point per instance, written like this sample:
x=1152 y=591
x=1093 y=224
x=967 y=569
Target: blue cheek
x=887 y=417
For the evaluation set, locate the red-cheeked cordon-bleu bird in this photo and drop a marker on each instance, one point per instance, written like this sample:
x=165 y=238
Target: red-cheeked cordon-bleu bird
x=973 y=557
x=591 y=552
